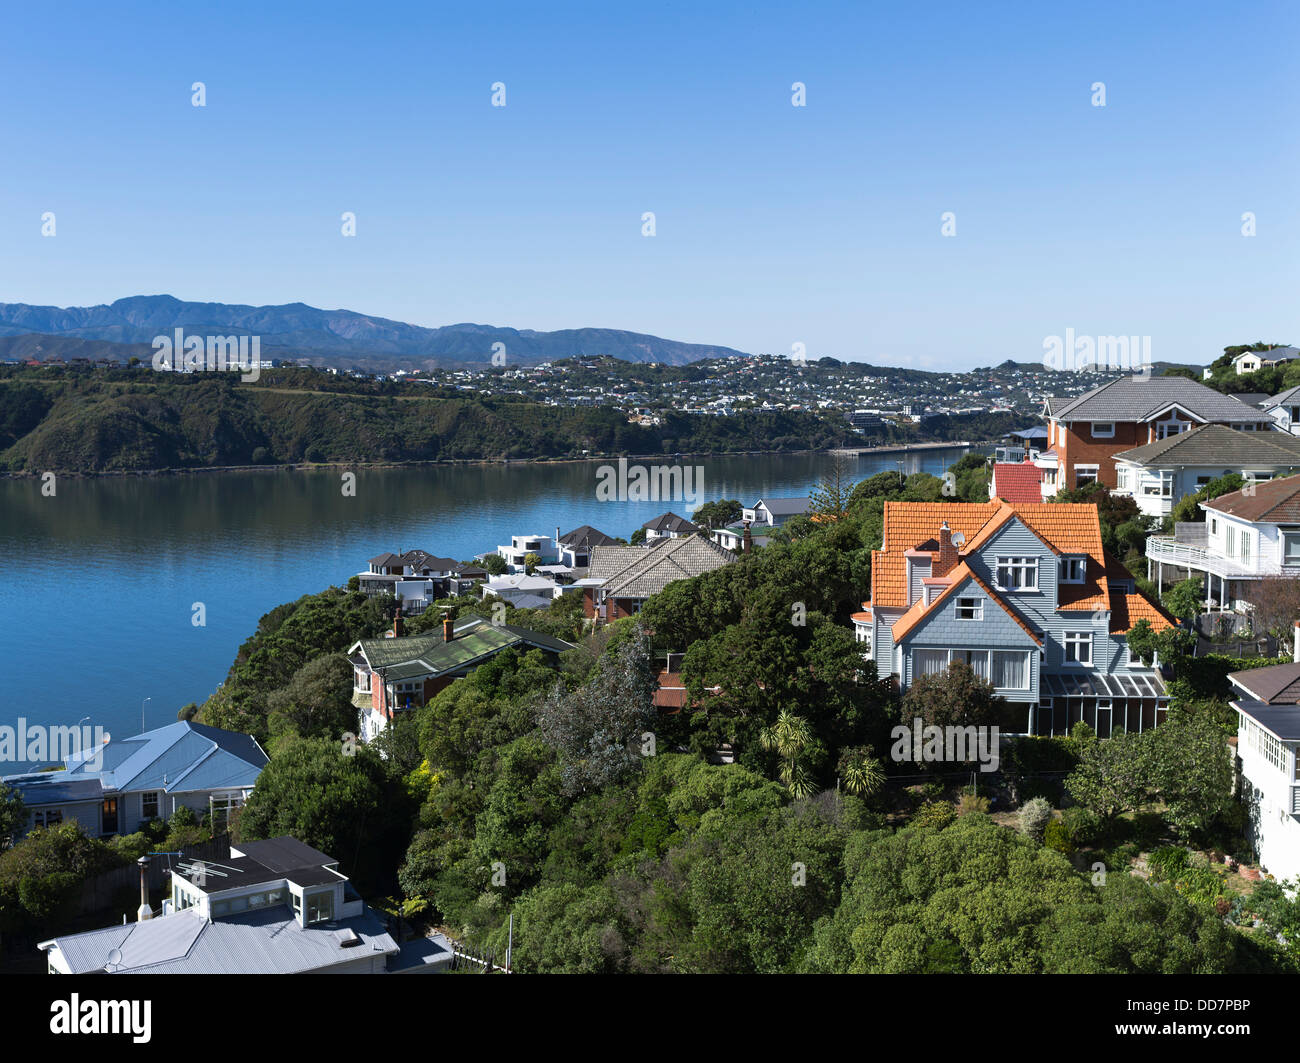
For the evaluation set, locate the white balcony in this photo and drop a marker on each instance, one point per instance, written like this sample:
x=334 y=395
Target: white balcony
x=1169 y=550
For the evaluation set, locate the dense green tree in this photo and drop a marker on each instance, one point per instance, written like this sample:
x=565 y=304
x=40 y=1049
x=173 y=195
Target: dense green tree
x=718 y=514
x=316 y=702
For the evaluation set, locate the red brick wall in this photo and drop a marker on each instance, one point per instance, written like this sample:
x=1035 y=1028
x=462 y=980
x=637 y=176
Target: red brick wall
x=1076 y=446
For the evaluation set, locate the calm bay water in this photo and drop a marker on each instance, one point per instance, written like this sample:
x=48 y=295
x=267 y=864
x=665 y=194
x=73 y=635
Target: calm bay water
x=98 y=584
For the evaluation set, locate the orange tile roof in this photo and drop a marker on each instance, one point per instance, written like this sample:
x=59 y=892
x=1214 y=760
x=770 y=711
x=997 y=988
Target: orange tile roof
x=888 y=580
x=959 y=575
x=1066 y=528
x=1127 y=609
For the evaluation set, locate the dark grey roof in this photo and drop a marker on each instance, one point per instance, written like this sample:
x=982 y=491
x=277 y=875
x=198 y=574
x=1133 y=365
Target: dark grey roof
x=1282 y=398
x=586 y=536
x=284 y=853
x=53 y=788
x=1259 y=399
x=384 y=559
x=671 y=522
x=1128 y=398
x=1282 y=720
x=1275 y=685
x=424 y=559
x=1217 y=444
x=779 y=507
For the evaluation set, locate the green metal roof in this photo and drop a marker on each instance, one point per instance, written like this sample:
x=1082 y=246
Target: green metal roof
x=424 y=655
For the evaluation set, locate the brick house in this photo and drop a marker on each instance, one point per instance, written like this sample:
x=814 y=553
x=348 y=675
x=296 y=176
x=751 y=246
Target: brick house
x=1086 y=432
x=401 y=672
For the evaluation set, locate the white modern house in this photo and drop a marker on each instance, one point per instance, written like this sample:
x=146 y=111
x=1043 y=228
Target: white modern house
x=1247 y=535
x=1158 y=474
x=514 y=555
x=272 y=907
x=1267 y=701
x=773 y=512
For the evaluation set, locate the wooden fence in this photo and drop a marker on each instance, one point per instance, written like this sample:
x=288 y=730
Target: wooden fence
x=97 y=893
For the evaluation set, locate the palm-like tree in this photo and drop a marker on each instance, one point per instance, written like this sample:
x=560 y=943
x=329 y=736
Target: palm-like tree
x=790 y=736
x=863 y=776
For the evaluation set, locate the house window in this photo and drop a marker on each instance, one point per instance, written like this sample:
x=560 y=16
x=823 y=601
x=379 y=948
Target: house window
x=970 y=608
x=1245 y=547
x=320 y=907
x=1073 y=569
x=1018 y=573
x=978 y=660
x=1084 y=475
x=149 y=805
x=1103 y=430
x=1010 y=670
x=1169 y=428
x=362 y=681
x=930 y=662
x=1049 y=477
x=1230 y=539
x=1121 y=477
x=1214 y=525
x=1201 y=481
x=1291 y=548
x=50 y=818
x=1078 y=647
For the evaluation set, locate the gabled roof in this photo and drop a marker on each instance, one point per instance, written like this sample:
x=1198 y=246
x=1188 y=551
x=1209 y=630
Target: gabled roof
x=671 y=522
x=384 y=559
x=1018 y=482
x=1273 y=501
x=1129 y=398
x=654 y=569
x=958 y=577
x=1282 y=399
x=423 y=559
x=1216 y=444
x=784 y=507
x=178 y=758
x=1275 y=685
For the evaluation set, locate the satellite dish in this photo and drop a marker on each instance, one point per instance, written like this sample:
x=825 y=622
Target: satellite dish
x=958 y=540
x=114 y=959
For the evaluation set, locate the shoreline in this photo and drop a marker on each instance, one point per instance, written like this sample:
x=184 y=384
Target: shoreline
x=463 y=462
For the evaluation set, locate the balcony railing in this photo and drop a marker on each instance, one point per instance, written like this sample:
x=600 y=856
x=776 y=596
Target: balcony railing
x=1170 y=551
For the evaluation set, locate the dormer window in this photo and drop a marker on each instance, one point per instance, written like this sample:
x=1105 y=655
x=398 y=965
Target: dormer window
x=1073 y=569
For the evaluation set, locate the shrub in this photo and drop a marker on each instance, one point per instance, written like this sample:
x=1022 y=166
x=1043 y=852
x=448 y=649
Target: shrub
x=1034 y=816
x=1168 y=862
x=935 y=814
x=1056 y=835
x=1085 y=826
x=972 y=803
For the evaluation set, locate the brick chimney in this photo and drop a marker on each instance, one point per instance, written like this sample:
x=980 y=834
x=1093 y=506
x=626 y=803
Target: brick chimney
x=398 y=626
x=947 y=559
x=448 y=632
x=746 y=541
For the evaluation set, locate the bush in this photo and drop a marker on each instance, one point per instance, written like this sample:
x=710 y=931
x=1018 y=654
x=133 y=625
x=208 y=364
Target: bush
x=1056 y=835
x=1085 y=826
x=1034 y=816
x=1168 y=863
x=935 y=815
x=972 y=803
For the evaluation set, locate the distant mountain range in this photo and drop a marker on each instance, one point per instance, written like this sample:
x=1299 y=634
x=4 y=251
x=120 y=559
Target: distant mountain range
x=340 y=338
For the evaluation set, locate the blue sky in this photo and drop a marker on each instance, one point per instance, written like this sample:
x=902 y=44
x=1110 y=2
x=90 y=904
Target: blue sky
x=775 y=224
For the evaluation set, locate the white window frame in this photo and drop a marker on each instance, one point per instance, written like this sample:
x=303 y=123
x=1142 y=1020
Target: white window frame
x=973 y=606
x=1086 y=471
x=1121 y=478
x=1029 y=664
x=1013 y=564
x=1290 y=537
x=1076 y=641
x=1097 y=429
x=1068 y=565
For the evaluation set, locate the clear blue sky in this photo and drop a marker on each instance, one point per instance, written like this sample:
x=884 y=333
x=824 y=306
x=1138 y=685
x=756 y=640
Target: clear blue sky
x=776 y=224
